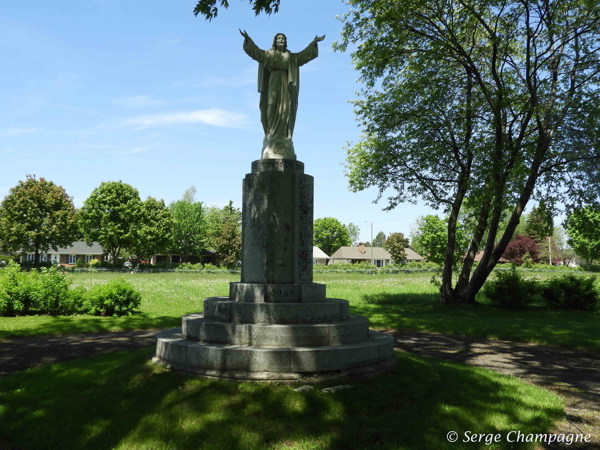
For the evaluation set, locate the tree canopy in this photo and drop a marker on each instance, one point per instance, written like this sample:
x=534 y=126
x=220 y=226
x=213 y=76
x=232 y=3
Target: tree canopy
x=495 y=103
x=209 y=10
x=539 y=224
x=330 y=234
x=190 y=231
x=37 y=215
x=111 y=216
x=583 y=227
x=395 y=245
x=154 y=232
x=353 y=233
x=379 y=240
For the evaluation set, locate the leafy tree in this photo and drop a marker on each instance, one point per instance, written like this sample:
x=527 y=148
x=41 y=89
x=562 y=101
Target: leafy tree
x=190 y=231
x=111 y=216
x=154 y=233
x=583 y=227
x=379 y=240
x=395 y=245
x=330 y=234
x=37 y=215
x=228 y=235
x=519 y=247
x=539 y=224
x=494 y=102
x=208 y=9
x=430 y=238
x=353 y=233
x=190 y=194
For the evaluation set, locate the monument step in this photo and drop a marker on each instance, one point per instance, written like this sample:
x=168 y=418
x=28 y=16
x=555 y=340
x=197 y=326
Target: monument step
x=223 y=309
x=277 y=293
x=197 y=327
x=175 y=351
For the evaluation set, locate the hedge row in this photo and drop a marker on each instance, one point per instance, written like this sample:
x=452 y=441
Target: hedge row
x=47 y=291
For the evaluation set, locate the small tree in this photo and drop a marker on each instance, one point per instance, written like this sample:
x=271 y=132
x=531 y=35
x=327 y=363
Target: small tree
x=379 y=240
x=539 y=224
x=329 y=234
x=519 y=247
x=154 y=233
x=228 y=236
x=430 y=239
x=190 y=228
x=583 y=227
x=395 y=244
x=37 y=215
x=111 y=216
x=353 y=233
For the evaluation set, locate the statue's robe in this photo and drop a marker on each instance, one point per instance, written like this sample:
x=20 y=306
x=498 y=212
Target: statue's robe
x=279 y=85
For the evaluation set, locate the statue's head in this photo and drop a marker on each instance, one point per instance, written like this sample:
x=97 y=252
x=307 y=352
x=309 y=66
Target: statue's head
x=280 y=39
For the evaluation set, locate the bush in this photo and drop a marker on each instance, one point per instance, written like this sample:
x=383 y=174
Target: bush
x=74 y=303
x=115 y=298
x=79 y=263
x=16 y=290
x=571 y=292
x=510 y=290
x=50 y=290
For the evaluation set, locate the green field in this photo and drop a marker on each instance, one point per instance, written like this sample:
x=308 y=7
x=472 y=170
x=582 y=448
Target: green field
x=391 y=302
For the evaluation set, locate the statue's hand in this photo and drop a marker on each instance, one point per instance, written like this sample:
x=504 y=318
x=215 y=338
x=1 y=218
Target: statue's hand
x=318 y=39
x=243 y=33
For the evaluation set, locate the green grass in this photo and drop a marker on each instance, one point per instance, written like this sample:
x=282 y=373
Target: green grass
x=122 y=401
x=400 y=302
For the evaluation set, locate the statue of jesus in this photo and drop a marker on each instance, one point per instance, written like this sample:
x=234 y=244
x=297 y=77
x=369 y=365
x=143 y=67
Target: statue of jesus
x=279 y=85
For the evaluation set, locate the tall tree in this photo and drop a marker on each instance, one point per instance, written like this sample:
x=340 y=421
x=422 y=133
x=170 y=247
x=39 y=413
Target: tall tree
x=227 y=234
x=190 y=194
x=353 y=233
x=329 y=234
x=380 y=239
x=395 y=245
x=539 y=224
x=492 y=101
x=583 y=228
x=37 y=215
x=111 y=216
x=190 y=233
x=430 y=237
x=155 y=231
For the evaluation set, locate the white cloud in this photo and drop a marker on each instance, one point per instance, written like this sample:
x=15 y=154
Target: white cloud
x=16 y=131
x=216 y=117
x=138 y=101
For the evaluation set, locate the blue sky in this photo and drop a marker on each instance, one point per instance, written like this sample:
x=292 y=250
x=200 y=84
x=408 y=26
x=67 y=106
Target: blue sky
x=146 y=93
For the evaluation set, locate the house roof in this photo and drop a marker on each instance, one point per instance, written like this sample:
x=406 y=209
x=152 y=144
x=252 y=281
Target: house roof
x=80 y=248
x=319 y=254
x=378 y=253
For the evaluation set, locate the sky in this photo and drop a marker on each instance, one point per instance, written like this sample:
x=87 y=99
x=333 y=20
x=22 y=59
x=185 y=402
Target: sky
x=146 y=93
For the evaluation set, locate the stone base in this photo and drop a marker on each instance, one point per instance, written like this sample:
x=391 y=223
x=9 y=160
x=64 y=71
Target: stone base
x=277 y=293
x=174 y=350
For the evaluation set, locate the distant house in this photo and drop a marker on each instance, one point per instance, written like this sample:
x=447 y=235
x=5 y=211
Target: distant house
x=68 y=256
x=479 y=255
x=380 y=256
x=319 y=256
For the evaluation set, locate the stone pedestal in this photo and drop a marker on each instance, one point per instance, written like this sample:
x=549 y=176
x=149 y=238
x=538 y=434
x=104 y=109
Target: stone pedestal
x=276 y=323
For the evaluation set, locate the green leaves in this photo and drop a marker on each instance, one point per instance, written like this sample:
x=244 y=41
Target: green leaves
x=583 y=227
x=111 y=216
x=395 y=245
x=37 y=215
x=330 y=234
x=190 y=227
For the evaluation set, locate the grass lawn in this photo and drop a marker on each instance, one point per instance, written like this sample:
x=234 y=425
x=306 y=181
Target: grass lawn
x=122 y=401
x=395 y=301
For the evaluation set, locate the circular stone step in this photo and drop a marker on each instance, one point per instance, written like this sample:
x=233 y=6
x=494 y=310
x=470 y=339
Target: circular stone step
x=223 y=309
x=198 y=328
x=178 y=353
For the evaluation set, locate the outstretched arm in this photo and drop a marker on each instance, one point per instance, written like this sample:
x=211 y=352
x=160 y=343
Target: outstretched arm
x=318 y=39
x=251 y=49
x=310 y=52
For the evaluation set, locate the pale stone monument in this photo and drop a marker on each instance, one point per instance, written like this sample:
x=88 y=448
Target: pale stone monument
x=276 y=324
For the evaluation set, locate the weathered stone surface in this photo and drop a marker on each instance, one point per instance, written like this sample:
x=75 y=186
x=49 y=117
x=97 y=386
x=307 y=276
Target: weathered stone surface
x=197 y=328
x=224 y=310
x=277 y=293
x=277 y=218
x=174 y=349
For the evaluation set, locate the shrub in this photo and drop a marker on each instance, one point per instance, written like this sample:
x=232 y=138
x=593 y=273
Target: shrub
x=518 y=247
x=571 y=292
x=16 y=293
x=75 y=302
x=209 y=266
x=79 y=263
x=50 y=290
x=115 y=298
x=510 y=290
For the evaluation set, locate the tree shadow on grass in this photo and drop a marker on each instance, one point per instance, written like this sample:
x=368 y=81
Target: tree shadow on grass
x=424 y=312
x=60 y=325
x=121 y=400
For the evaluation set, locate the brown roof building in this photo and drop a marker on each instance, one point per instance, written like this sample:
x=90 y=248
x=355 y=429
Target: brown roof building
x=380 y=256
